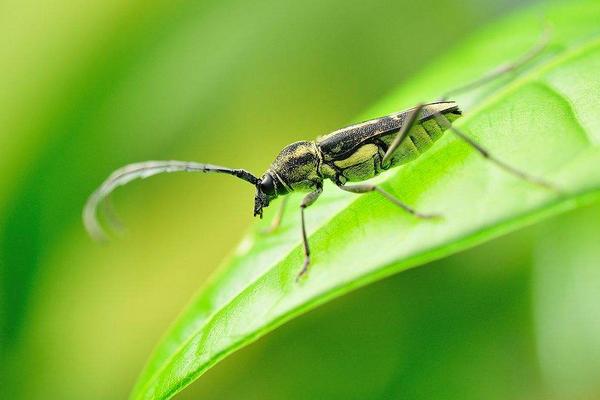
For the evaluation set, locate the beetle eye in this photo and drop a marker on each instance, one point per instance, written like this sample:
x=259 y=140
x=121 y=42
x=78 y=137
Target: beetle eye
x=267 y=186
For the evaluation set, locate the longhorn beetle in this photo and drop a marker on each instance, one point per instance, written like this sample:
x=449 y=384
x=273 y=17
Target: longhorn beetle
x=352 y=154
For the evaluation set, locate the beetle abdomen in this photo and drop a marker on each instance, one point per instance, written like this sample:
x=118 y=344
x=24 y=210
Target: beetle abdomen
x=364 y=162
x=420 y=138
x=343 y=142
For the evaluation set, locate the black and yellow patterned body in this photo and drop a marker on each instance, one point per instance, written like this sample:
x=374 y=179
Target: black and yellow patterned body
x=355 y=153
x=352 y=154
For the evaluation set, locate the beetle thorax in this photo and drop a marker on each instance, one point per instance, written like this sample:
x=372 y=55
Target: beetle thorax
x=297 y=166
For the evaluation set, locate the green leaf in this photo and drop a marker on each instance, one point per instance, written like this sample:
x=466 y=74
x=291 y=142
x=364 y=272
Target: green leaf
x=544 y=119
x=566 y=297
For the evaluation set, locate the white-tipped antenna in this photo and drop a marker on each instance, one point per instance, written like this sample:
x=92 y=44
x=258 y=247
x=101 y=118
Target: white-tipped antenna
x=143 y=170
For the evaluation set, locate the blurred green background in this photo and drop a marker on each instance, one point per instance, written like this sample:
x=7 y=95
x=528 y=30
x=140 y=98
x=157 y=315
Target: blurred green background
x=87 y=86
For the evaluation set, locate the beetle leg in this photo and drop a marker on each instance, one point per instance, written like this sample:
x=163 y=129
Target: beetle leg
x=402 y=134
x=444 y=123
x=307 y=201
x=276 y=222
x=366 y=187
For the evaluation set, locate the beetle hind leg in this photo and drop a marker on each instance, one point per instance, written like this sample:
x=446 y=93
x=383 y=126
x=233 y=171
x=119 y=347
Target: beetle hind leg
x=443 y=121
x=401 y=135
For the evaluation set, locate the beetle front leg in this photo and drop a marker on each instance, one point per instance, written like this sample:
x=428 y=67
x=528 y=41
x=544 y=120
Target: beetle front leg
x=276 y=222
x=366 y=188
x=307 y=201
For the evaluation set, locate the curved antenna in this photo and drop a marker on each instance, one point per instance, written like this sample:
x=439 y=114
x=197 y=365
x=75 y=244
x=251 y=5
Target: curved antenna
x=143 y=170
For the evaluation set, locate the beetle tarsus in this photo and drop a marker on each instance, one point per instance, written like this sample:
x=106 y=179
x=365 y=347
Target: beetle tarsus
x=307 y=201
x=304 y=269
x=443 y=121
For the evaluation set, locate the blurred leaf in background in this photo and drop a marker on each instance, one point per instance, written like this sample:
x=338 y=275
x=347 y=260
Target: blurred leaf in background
x=566 y=296
x=87 y=86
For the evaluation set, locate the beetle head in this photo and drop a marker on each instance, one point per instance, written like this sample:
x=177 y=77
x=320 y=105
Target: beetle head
x=267 y=189
x=261 y=201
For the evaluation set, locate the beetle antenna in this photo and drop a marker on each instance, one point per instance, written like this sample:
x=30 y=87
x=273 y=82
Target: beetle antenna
x=503 y=69
x=143 y=170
